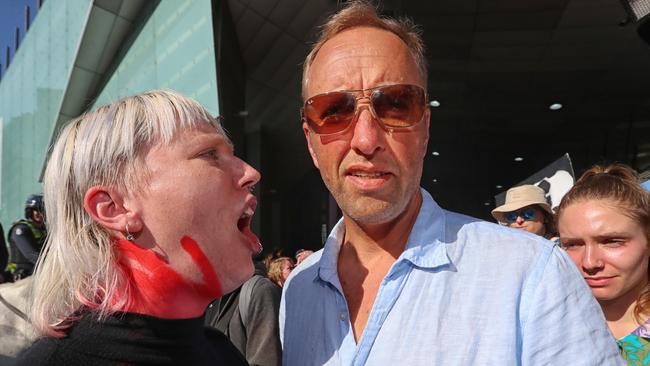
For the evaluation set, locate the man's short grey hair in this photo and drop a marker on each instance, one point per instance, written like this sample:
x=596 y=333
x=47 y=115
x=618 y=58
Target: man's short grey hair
x=79 y=266
x=362 y=13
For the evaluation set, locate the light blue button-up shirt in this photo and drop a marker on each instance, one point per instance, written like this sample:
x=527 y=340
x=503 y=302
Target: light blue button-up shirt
x=463 y=292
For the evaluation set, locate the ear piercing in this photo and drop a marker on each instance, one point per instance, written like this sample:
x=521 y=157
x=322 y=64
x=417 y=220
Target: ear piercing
x=129 y=236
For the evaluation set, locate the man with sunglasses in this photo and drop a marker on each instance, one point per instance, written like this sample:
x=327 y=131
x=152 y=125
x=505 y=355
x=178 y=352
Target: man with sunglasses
x=401 y=281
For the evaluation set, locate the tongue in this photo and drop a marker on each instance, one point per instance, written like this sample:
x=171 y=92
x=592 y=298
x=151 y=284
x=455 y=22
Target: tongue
x=253 y=241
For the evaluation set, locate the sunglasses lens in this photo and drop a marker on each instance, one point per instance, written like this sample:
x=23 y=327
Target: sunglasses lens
x=399 y=105
x=529 y=214
x=395 y=105
x=510 y=216
x=330 y=113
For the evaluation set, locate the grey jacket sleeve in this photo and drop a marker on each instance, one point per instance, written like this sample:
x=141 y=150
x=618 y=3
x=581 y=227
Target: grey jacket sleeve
x=262 y=331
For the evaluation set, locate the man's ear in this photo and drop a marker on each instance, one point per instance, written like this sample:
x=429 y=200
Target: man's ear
x=305 y=129
x=427 y=118
x=106 y=206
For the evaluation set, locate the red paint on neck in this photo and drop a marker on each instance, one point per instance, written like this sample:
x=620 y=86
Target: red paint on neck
x=155 y=288
x=198 y=257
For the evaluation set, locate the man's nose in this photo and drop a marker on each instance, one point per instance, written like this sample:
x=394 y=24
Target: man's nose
x=368 y=135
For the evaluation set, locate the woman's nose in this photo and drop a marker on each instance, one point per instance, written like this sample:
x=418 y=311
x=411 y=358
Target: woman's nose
x=250 y=177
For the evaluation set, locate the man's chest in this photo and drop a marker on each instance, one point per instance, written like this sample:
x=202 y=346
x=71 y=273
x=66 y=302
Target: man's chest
x=412 y=313
x=360 y=289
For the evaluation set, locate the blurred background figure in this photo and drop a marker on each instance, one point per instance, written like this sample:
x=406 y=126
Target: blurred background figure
x=248 y=316
x=604 y=224
x=272 y=255
x=4 y=258
x=26 y=238
x=302 y=254
x=16 y=332
x=526 y=209
x=279 y=270
x=645 y=178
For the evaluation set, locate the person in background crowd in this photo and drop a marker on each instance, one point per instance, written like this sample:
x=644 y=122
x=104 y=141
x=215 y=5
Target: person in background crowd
x=5 y=276
x=16 y=332
x=279 y=270
x=645 y=180
x=302 y=254
x=401 y=281
x=604 y=223
x=248 y=316
x=526 y=209
x=132 y=260
x=26 y=238
x=273 y=254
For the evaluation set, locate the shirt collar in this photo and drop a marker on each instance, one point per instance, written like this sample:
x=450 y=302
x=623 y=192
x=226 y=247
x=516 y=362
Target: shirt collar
x=424 y=248
x=327 y=264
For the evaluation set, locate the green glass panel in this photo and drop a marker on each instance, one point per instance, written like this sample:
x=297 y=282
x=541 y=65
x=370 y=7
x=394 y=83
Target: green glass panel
x=172 y=48
x=30 y=97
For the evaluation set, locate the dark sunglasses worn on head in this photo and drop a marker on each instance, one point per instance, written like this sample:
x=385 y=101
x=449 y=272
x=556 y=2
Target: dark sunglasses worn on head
x=527 y=214
x=394 y=106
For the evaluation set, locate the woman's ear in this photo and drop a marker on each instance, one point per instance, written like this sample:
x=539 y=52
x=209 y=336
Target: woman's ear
x=106 y=207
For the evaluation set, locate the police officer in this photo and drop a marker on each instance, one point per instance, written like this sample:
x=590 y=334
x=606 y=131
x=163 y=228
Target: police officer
x=27 y=236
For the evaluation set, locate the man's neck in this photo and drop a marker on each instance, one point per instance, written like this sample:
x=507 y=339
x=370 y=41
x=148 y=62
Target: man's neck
x=389 y=238
x=367 y=253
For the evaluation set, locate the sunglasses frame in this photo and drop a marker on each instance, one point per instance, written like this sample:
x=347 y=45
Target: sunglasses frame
x=521 y=213
x=370 y=106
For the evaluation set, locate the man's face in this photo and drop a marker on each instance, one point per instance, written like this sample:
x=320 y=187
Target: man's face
x=37 y=216
x=197 y=189
x=372 y=173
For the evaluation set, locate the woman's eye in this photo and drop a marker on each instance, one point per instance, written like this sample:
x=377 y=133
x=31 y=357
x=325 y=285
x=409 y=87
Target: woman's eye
x=567 y=246
x=613 y=242
x=211 y=154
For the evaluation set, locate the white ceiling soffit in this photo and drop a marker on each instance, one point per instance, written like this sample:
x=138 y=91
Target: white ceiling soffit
x=108 y=25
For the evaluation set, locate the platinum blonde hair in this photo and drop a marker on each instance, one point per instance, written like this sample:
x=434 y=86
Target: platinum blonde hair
x=362 y=13
x=78 y=266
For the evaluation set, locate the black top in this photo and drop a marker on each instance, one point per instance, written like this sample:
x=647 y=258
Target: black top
x=26 y=239
x=134 y=339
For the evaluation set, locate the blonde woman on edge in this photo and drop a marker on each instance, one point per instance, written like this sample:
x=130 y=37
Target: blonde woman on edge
x=604 y=223
x=149 y=221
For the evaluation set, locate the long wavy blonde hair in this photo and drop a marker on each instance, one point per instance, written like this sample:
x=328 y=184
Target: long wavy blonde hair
x=78 y=267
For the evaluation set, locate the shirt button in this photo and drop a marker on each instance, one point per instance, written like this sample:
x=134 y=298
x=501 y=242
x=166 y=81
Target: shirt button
x=342 y=316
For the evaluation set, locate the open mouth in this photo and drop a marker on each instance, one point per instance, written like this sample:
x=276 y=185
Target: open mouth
x=244 y=224
x=244 y=221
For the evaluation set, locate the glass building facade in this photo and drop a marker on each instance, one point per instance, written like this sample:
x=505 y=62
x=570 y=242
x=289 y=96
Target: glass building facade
x=31 y=93
x=169 y=45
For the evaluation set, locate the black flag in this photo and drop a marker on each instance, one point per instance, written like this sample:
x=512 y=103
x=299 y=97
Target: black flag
x=555 y=179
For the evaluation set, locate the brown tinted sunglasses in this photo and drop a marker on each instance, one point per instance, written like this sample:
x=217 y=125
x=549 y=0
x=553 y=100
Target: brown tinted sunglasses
x=394 y=106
